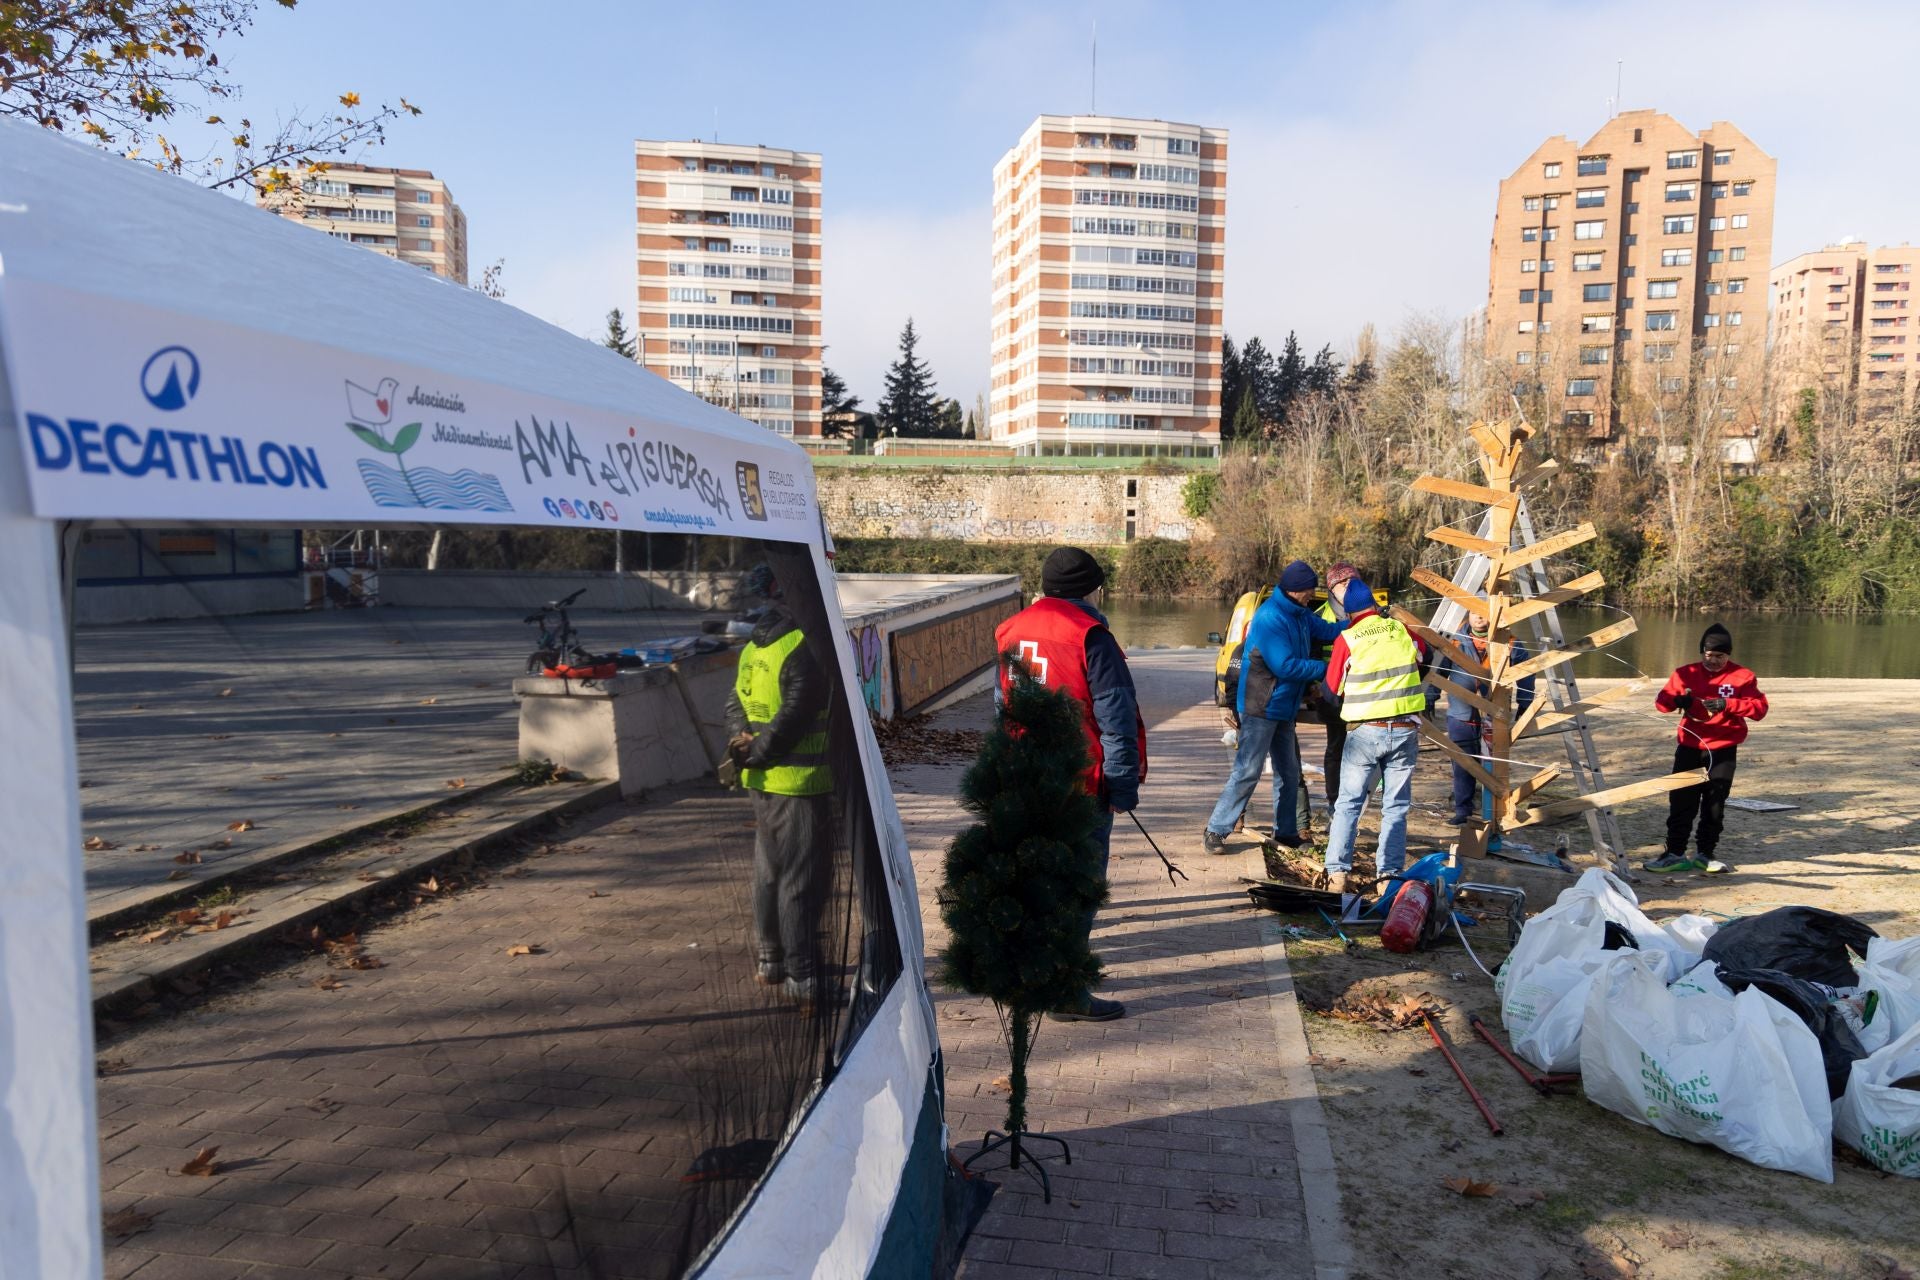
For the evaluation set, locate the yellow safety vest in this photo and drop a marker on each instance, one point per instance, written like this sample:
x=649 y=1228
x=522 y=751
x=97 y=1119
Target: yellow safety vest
x=803 y=771
x=1383 y=672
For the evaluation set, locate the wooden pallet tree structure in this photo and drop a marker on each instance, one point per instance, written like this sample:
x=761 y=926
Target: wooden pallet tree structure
x=1504 y=582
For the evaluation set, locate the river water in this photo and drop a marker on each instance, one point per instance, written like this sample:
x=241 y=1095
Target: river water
x=1773 y=644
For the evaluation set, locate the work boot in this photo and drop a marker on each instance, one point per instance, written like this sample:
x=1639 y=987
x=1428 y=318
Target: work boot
x=804 y=992
x=769 y=973
x=1092 y=1009
x=1673 y=863
x=1337 y=882
x=1212 y=842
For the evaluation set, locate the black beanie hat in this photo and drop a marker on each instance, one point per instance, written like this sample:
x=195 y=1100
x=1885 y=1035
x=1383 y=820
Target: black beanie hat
x=1717 y=638
x=1071 y=574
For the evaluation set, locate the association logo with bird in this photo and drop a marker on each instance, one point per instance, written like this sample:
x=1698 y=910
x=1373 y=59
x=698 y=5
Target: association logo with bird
x=399 y=486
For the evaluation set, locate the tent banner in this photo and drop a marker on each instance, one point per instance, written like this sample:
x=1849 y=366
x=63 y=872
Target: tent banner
x=129 y=412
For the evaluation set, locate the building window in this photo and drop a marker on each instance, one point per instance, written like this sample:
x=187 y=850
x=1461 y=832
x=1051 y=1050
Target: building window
x=1526 y=326
x=1589 y=230
x=1723 y=157
x=1546 y=264
x=1529 y=265
x=1529 y=235
x=1683 y=159
x=1716 y=224
x=1596 y=355
x=1683 y=190
x=1596 y=324
x=1737 y=254
x=1677 y=224
x=1663 y=288
x=1743 y=188
x=1591 y=166
x=1676 y=257
x=1596 y=293
x=422 y=220
x=1588 y=261
x=1546 y=295
x=1739 y=221
x=1673 y=386
x=1523 y=357
x=1550 y=170
x=1590 y=198
x=1737 y=286
x=1717 y=190
x=1546 y=326
x=1716 y=255
x=423 y=244
x=1550 y=233
x=1662 y=321
x=1733 y=317
x=1531 y=204
x=423 y=197
x=1710 y=321
x=1581 y=418
x=1580 y=386
x=1658 y=353
x=1713 y=288
x=1526 y=295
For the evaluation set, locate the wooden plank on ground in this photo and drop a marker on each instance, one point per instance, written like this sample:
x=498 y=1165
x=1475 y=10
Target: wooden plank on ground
x=1465 y=541
x=1549 y=546
x=1446 y=488
x=1572 y=589
x=1459 y=757
x=1445 y=588
x=1608 y=798
x=1598 y=640
x=1542 y=717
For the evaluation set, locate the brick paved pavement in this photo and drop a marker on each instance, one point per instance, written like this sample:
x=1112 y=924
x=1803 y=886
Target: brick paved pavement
x=1198 y=1146
x=460 y=1112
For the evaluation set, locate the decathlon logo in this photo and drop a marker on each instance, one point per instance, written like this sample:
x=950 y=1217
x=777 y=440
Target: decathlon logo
x=170 y=378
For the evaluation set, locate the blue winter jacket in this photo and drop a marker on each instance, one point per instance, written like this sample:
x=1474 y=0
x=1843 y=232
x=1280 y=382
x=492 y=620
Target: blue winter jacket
x=1279 y=661
x=1459 y=708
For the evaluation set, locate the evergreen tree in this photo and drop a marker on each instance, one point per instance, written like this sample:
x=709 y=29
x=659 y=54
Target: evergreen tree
x=1289 y=380
x=1257 y=375
x=618 y=339
x=1323 y=375
x=910 y=406
x=1232 y=381
x=1021 y=881
x=1246 y=419
x=951 y=422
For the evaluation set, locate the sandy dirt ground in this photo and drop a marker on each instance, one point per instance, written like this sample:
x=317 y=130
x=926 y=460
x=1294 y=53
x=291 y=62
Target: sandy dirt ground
x=1621 y=1200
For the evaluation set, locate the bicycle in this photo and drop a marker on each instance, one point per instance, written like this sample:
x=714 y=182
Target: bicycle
x=559 y=644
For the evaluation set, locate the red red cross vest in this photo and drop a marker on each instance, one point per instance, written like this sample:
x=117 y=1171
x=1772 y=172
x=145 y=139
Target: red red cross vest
x=1050 y=637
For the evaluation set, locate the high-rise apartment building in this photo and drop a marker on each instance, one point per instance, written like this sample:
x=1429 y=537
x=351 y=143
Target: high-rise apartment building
x=1625 y=284
x=1109 y=261
x=1849 y=313
x=729 y=265
x=404 y=213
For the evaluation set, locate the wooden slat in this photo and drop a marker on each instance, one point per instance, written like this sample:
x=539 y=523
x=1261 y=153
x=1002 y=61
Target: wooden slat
x=1465 y=541
x=1608 y=798
x=1598 y=640
x=1440 y=643
x=1445 y=588
x=1467 y=695
x=1446 y=488
x=1572 y=589
x=1491 y=445
x=1544 y=469
x=1532 y=723
x=1540 y=550
x=1537 y=781
x=1459 y=757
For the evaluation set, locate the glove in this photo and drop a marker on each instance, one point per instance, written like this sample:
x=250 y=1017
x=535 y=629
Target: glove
x=737 y=748
x=1681 y=700
x=1713 y=705
x=729 y=773
x=1122 y=796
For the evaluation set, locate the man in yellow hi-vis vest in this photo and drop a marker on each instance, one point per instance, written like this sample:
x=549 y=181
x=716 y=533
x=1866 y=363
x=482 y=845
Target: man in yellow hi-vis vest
x=1378 y=670
x=777 y=722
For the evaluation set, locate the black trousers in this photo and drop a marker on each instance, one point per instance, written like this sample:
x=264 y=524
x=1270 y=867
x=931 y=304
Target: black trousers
x=1707 y=799
x=1327 y=711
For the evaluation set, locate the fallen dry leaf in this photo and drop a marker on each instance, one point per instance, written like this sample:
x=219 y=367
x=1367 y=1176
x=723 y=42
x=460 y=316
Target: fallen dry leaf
x=224 y=842
x=146 y=848
x=190 y=916
x=240 y=824
x=1676 y=1238
x=1323 y=1060
x=430 y=885
x=1382 y=1008
x=455 y=784
x=1470 y=1187
x=366 y=962
x=595 y=893
x=187 y=856
x=126 y=1222
x=111 y=1066
x=1002 y=1083
x=202 y=1165
x=524 y=949
x=1522 y=1197
x=222 y=921
x=159 y=935
x=94 y=844
x=329 y=983
x=226 y=693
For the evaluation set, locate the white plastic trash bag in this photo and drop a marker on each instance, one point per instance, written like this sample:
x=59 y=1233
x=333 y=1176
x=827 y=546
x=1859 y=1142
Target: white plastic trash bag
x=1742 y=1074
x=1892 y=968
x=1879 y=1121
x=1543 y=985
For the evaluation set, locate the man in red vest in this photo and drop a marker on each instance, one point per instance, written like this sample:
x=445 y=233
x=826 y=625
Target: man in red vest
x=1715 y=697
x=1064 y=641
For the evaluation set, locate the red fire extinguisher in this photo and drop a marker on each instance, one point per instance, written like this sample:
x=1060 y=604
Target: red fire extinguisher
x=1407 y=917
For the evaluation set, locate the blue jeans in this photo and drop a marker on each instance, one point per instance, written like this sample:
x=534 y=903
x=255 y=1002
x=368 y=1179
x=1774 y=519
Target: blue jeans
x=1373 y=750
x=1465 y=735
x=1261 y=740
x=1105 y=834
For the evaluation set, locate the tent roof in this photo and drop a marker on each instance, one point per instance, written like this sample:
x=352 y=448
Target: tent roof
x=75 y=216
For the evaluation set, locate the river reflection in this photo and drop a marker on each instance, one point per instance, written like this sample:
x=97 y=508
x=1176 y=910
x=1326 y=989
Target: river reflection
x=1773 y=644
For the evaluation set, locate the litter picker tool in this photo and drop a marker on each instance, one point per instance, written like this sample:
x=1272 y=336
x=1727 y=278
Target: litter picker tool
x=1478 y=1101
x=1172 y=870
x=1353 y=948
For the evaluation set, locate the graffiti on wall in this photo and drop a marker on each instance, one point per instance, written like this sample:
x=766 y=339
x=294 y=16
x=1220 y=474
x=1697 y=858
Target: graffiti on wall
x=869 y=649
x=1103 y=509
x=937 y=656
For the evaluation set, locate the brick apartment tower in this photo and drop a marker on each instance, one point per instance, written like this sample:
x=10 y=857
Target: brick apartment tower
x=1627 y=274
x=729 y=266
x=403 y=213
x=1109 y=260
x=1847 y=313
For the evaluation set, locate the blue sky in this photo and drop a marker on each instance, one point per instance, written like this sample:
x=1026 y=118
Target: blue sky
x=1367 y=139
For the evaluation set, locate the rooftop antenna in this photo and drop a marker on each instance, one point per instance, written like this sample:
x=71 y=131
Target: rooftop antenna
x=1093 y=78
x=716 y=125
x=1619 y=73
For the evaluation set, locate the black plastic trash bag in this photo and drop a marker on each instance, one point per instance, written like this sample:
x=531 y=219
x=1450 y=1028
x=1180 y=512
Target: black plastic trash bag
x=1839 y=1047
x=1802 y=942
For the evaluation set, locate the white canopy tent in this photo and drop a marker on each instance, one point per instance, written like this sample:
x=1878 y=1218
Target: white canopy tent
x=172 y=355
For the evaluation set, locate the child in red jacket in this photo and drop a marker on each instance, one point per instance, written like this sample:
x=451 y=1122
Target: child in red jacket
x=1715 y=697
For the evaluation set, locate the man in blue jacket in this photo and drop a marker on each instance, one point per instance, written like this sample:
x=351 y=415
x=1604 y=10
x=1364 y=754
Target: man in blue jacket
x=1277 y=667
